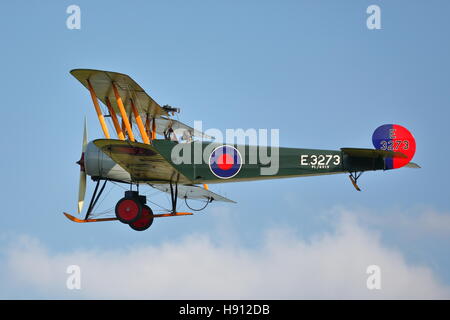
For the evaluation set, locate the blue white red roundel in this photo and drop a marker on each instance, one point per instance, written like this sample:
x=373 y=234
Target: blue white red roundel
x=225 y=162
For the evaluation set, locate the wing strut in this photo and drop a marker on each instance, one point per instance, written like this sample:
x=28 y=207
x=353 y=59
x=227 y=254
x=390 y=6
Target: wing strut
x=98 y=110
x=113 y=115
x=140 y=125
x=174 y=196
x=153 y=129
x=147 y=126
x=151 y=132
x=123 y=113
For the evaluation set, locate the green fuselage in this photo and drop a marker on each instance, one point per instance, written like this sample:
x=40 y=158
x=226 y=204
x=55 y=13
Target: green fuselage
x=260 y=163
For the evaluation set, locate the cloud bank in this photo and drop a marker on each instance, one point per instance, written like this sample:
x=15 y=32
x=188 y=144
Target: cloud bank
x=328 y=266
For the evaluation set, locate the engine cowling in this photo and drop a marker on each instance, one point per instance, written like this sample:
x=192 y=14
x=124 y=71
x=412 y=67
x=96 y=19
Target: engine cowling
x=98 y=165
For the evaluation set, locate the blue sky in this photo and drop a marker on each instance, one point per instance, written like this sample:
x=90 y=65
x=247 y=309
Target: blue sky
x=311 y=69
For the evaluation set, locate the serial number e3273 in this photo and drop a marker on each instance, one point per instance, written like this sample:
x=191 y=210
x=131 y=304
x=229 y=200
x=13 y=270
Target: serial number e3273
x=320 y=161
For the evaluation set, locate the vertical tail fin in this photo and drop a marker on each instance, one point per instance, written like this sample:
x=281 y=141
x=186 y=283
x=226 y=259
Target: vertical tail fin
x=393 y=137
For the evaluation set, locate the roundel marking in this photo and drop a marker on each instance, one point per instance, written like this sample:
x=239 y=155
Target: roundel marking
x=225 y=162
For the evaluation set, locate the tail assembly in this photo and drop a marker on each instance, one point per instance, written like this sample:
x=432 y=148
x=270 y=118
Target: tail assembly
x=395 y=138
x=394 y=146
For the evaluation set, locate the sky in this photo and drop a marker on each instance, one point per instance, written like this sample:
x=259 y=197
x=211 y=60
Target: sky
x=311 y=69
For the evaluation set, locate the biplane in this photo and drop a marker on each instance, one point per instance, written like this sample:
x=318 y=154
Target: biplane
x=142 y=153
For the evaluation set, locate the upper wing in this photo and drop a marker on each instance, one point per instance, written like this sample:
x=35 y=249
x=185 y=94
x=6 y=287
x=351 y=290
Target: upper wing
x=147 y=108
x=142 y=161
x=128 y=89
x=192 y=192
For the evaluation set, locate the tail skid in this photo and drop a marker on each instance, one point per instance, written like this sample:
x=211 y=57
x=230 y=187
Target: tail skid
x=354 y=179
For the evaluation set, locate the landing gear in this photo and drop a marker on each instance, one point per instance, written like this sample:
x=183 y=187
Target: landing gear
x=141 y=219
x=129 y=208
x=133 y=211
x=145 y=221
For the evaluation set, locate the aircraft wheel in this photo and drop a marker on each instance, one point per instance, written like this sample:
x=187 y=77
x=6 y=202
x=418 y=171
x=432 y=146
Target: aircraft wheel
x=145 y=221
x=128 y=210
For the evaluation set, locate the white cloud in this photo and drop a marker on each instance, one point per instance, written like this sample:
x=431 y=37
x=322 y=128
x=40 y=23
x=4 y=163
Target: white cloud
x=332 y=265
x=412 y=222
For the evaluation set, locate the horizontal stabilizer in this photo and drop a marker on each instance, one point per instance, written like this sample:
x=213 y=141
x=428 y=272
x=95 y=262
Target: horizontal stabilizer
x=192 y=192
x=412 y=165
x=372 y=153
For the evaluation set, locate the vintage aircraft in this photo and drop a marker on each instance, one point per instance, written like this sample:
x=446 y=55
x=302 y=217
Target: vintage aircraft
x=133 y=113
